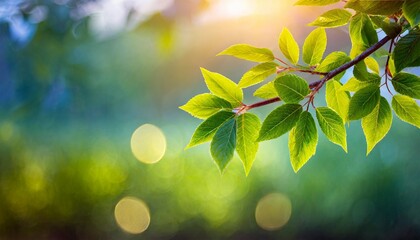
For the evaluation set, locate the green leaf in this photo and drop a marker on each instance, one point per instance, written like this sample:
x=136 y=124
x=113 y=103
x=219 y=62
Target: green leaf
x=291 y=88
x=383 y=7
x=332 y=18
x=248 y=52
x=363 y=102
x=257 y=74
x=411 y=10
x=247 y=130
x=354 y=85
x=314 y=46
x=406 y=109
x=204 y=105
x=332 y=126
x=223 y=144
x=266 y=91
x=280 y=121
x=206 y=130
x=289 y=46
x=392 y=29
x=372 y=64
x=316 y=2
x=361 y=73
x=377 y=124
x=407 y=51
x=333 y=61
x=302 y=141
x=223 y=87
x=407 y=84
x=337 y=99
x=362 y=34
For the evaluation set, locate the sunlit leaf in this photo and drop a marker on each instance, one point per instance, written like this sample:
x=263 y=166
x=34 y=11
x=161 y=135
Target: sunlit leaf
x=314 y=46
x=266 y=91
x=204 y=105
x=257 y=74
x=407 y=84
x=289 y=46
x=372 y=64
x=354 y=85
x=223 y=87
x=362 y=34
x=291 y=88
x=361 y=73
x=333 y=61
x=206 y=130
x=381 y=7
x=406 y=109
x=332 y=18
x=332 y=126
x=407 y=51
x=247 y=131
x=411 y=10
x=377 y=124
x=316 y=2
x=337 y=99
x=248 y=52
x=224 y=143
x=280 y=121
x=302 y=141
x=363 y=102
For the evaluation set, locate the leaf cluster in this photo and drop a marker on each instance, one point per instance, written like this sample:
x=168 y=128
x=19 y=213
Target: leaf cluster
x=230 y=126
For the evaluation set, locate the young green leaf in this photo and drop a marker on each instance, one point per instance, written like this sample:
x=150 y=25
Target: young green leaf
x=377 y=124
x=204 y=105
x=248 y=52
x=406 y=109
x=289 y=46
x=372 y=64
x=247 y=130
x=411 y=10
x=291 y=88
x=354 y=85
x=316 y=2
x=206 y=130
x=361 y=73
x=332 y=126
x=302 y=141
x=332 y=18
x=314 y=46
x=407 y=51
x=407 y=84
x=280 y=121
x=381 y=7
x=223 y=87
x=337 y=99
x=257 y=74
x=223 y=144
x=333 y=61
x=363 y=102
x=362 y=34
x=266 y=91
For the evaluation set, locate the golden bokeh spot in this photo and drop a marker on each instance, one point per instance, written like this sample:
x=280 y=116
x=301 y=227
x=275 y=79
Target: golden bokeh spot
x=132 y=215
x=273 y=211
x=148 y=143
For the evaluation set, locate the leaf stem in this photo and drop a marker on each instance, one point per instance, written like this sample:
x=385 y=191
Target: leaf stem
x=316 y=86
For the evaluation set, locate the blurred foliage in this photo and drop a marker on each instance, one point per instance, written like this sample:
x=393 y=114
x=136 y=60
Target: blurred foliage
x=69 y=103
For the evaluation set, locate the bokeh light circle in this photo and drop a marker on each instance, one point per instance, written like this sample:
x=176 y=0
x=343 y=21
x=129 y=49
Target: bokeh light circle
x=132 y=215
x=148 y=143
x=273 y=211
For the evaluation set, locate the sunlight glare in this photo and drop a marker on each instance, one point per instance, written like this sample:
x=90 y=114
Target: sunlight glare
x=132 y=215
x=148 y=143
x=273 y=211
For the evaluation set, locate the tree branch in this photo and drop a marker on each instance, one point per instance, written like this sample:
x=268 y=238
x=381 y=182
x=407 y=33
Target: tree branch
x=316 y=86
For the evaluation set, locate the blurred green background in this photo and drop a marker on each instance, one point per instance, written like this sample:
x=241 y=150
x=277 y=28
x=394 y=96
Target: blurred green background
x=78 y=77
